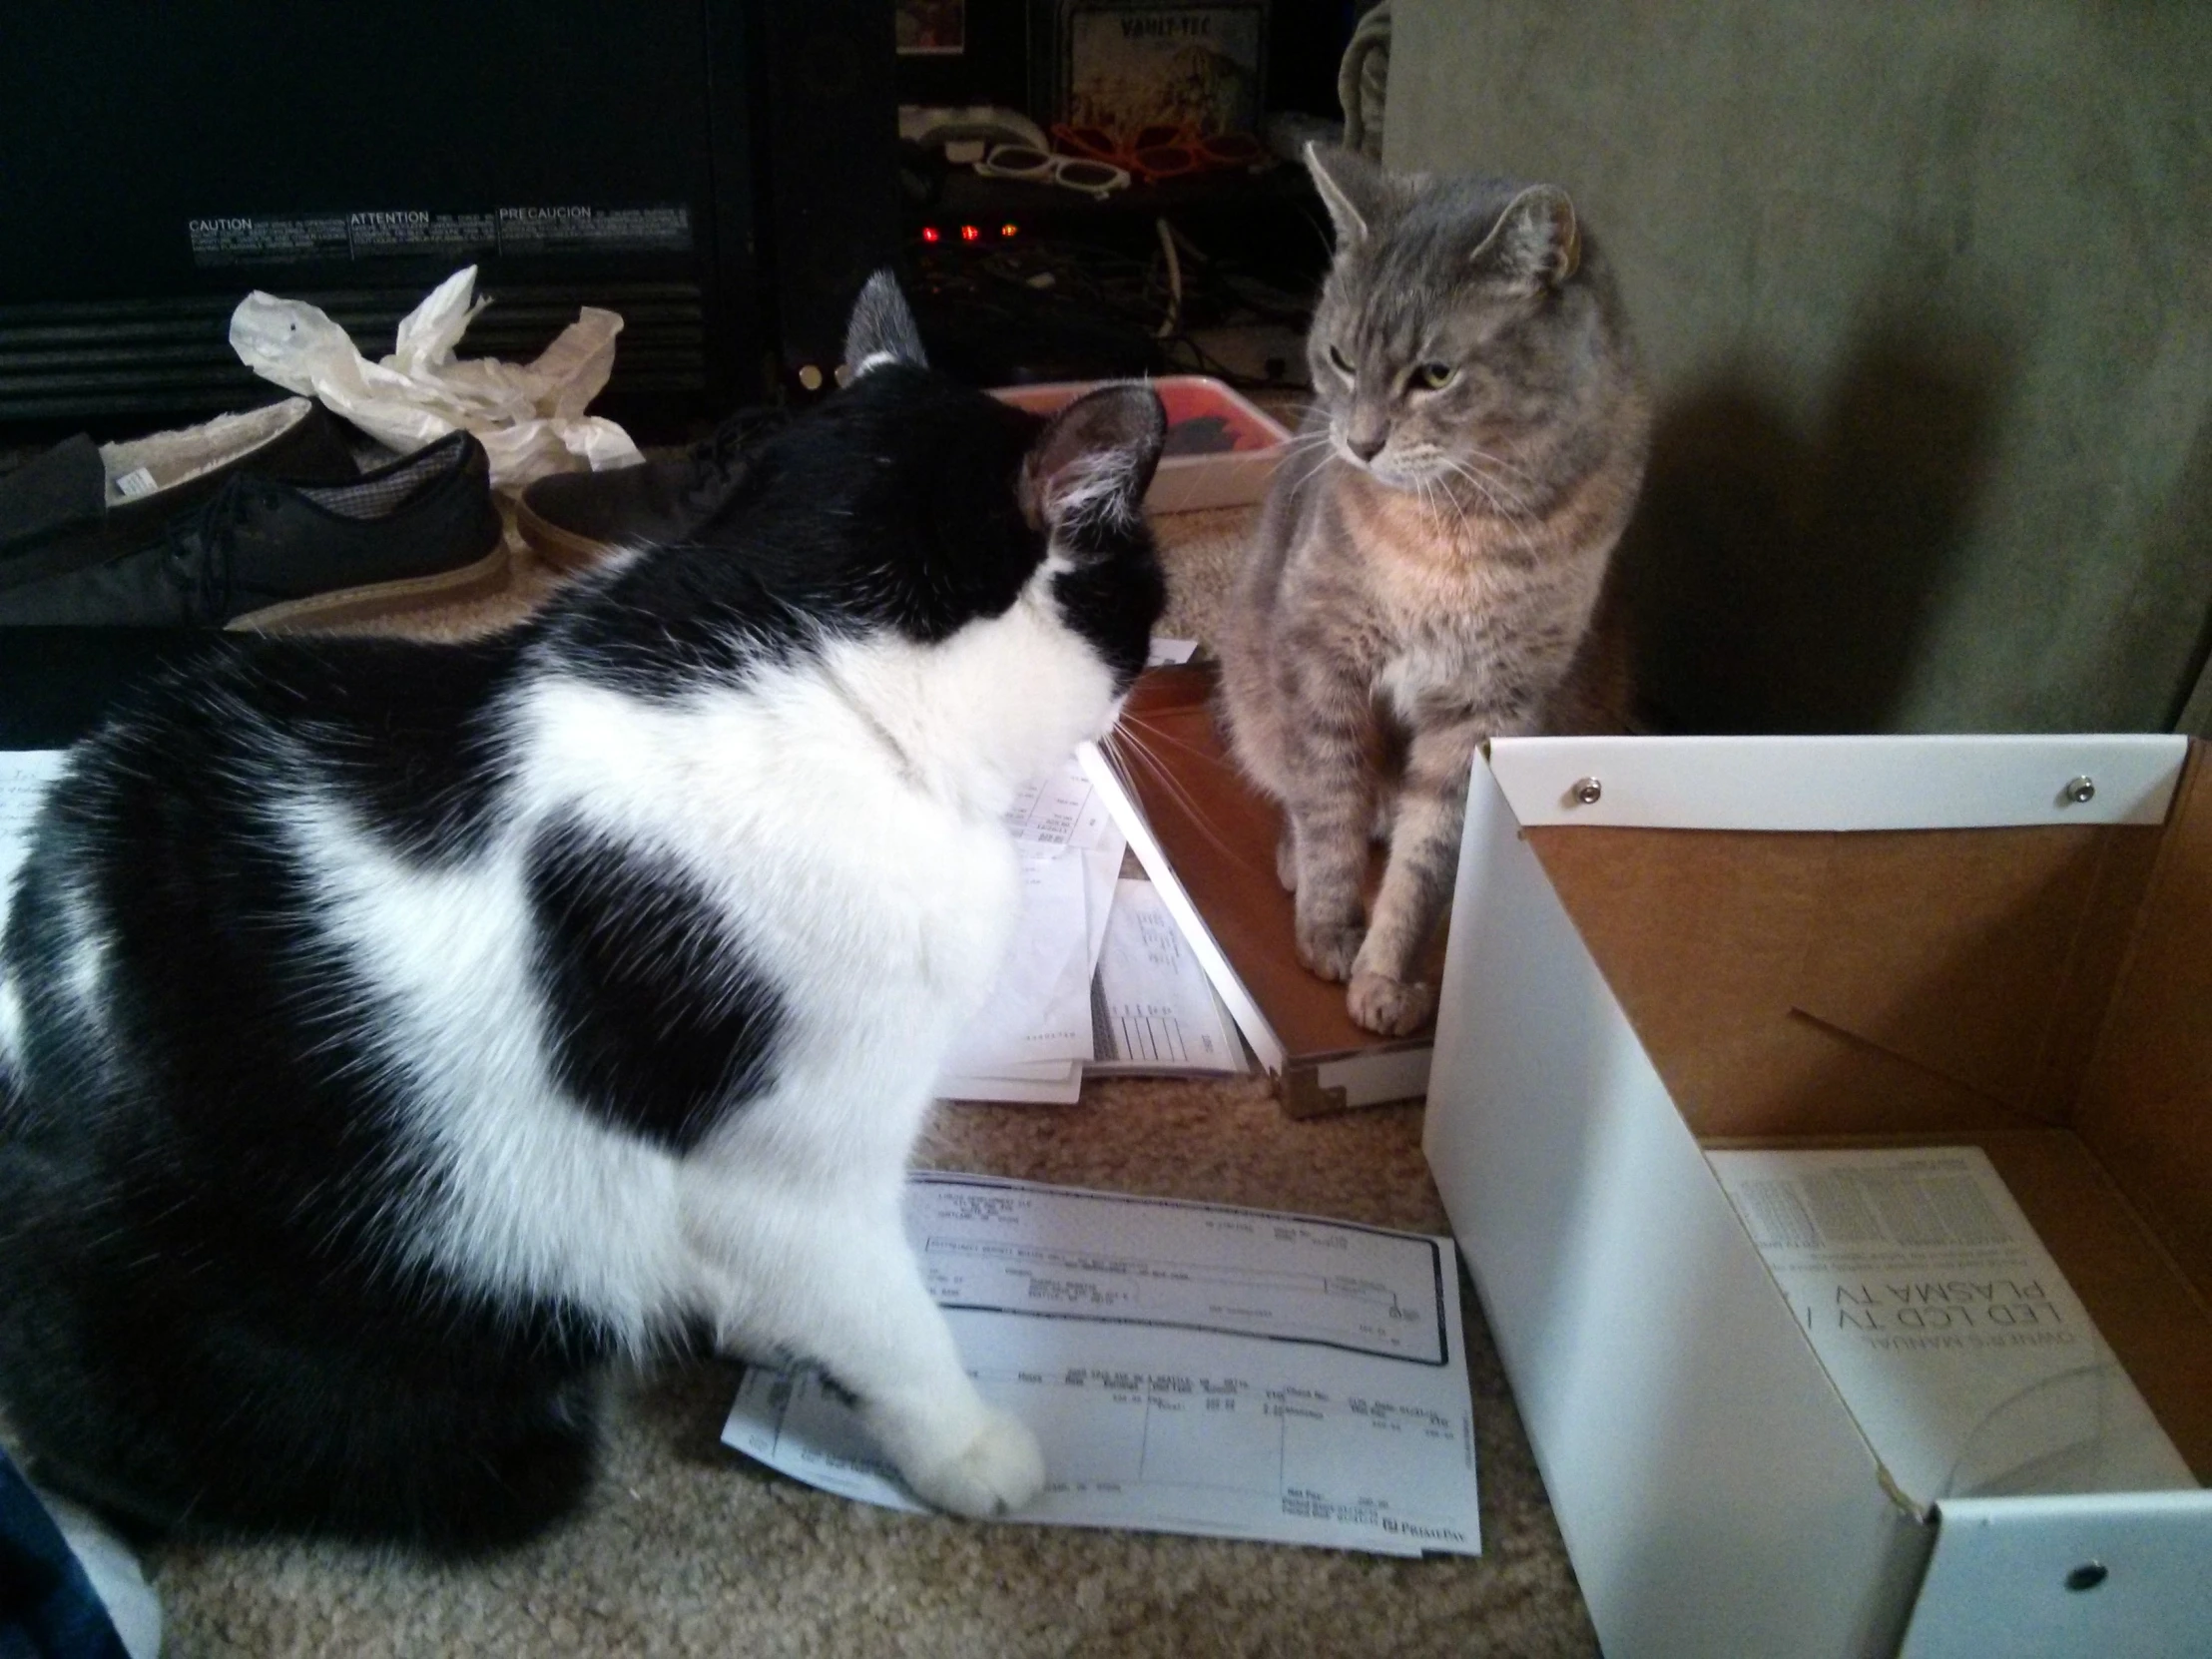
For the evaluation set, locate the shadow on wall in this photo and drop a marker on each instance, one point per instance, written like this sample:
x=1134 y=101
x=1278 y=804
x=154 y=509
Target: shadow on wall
x=1780 y=581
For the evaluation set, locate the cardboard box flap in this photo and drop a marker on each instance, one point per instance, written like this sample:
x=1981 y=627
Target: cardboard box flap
x=1869 y=982
x=1986 y=956
x=2146 y=1103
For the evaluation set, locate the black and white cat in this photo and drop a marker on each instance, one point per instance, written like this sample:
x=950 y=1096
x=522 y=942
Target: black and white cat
x=392 y=1034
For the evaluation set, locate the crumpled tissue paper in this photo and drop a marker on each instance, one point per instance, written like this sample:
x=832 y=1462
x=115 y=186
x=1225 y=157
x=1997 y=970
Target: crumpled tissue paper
x=529 y=416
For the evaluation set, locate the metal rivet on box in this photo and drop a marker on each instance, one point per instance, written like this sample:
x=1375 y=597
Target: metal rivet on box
x=2082 y=791
x=2089 y=1576
x=1587 y=791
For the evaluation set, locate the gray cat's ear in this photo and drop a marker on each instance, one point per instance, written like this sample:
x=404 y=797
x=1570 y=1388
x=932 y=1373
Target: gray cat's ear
x=883 y=329
x=1353 y=190
x=1536 y=242
x=1095 y=460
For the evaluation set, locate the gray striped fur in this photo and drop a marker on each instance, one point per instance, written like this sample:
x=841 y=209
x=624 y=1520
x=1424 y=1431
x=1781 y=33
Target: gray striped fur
x=1429 y=567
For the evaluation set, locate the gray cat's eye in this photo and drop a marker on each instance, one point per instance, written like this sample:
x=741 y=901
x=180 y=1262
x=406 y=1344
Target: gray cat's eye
x=1344 y=366
x=1434 y=376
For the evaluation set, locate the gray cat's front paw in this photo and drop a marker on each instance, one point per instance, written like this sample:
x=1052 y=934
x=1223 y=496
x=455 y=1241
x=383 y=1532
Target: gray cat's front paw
x=1389 y=1007
x=1001 y=1470
x=1329 y=948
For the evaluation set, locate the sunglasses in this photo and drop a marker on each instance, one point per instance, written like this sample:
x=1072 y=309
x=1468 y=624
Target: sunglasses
x=1094 y=178
x=1161 y=151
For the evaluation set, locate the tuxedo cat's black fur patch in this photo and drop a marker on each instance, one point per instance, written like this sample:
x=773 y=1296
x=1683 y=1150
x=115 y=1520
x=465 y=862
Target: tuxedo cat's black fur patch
x=236 y=1271
x=659 y=1020
x=413 y=738
x=886 y=508
x=409 y=740
x=1114 y=611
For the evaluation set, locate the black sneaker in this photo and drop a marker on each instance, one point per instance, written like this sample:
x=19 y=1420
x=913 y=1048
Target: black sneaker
x=573 y=518
x=82 y=503
x=268 y=554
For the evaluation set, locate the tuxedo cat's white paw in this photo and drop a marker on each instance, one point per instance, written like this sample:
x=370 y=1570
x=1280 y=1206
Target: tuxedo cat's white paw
x=1390 y=1007
x=1000 y=1470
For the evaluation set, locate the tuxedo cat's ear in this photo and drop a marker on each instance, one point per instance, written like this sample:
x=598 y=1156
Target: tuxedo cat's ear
x=1536 y=242
x=1095 y=460
x=882 y=329
x=1353 y=190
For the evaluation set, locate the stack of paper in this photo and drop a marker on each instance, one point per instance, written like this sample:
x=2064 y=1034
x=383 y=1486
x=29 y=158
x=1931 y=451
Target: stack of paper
x=1032 y=1037
x=1099 y=977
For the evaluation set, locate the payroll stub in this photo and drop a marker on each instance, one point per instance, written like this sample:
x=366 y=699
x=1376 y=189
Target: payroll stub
x=1187 y=1367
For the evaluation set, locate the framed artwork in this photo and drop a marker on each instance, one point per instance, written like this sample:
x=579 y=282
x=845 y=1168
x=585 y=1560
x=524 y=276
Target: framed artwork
x=932 y=28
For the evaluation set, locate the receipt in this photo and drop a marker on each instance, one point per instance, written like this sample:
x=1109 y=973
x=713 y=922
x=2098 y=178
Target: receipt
x=1153 y=1008
x=1187 y=1367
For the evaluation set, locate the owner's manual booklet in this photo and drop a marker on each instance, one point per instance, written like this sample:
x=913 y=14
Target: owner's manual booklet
x=1187 y=1367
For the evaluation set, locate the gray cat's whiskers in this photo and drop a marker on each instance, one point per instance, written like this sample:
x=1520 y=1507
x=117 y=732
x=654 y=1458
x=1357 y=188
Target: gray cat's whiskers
x=1481 y=454
x=1503 y=502
x=1319 y=444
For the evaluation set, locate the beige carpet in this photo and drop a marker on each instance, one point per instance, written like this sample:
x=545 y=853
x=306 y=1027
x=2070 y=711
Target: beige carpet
x=692 y=1549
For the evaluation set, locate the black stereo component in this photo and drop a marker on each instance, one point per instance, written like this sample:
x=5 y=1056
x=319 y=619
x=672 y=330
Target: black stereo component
x=719 y=172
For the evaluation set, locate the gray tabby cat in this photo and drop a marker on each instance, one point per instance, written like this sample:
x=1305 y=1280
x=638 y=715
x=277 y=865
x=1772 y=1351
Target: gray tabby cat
x=1433 y=579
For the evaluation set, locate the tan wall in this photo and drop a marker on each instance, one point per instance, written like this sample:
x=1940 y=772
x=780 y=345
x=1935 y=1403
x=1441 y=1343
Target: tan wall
x=1926 y=293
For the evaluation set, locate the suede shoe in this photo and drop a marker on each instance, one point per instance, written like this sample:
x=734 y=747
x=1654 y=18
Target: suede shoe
x=574 y=518
x=82 y=503
x=266 y=554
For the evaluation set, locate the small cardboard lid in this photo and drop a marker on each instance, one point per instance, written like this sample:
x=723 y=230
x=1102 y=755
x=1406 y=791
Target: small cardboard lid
x=1219 y=835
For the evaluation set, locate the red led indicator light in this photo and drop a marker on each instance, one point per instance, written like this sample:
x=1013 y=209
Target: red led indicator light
x=1007 y=229
x=969 y=232
x=929 y=232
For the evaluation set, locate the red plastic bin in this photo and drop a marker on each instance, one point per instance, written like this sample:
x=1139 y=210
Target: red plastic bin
x=1232 y=477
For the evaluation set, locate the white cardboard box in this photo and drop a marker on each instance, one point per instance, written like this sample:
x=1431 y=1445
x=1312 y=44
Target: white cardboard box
x=1829 y=942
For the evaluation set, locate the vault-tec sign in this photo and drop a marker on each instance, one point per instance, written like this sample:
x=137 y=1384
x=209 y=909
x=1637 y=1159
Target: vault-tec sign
x=1125 y=65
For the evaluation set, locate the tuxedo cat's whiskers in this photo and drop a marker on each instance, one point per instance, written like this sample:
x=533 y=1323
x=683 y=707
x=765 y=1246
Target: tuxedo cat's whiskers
x=1126 y=745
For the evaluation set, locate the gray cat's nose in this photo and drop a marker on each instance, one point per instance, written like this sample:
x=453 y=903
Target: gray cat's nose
x=1365 y=448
